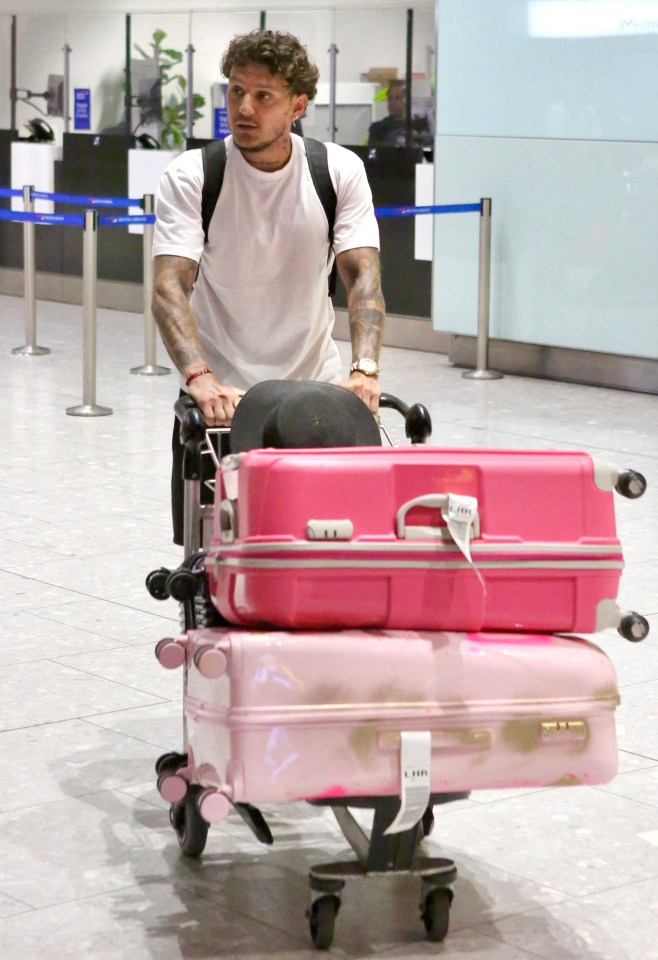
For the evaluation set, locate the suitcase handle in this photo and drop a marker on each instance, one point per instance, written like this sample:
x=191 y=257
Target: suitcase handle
x=437 y=501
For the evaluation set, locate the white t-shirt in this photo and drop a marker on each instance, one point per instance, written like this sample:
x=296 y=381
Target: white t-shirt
x=260 y=298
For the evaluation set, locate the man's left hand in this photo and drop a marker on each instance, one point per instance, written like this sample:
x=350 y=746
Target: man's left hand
x=367 y=388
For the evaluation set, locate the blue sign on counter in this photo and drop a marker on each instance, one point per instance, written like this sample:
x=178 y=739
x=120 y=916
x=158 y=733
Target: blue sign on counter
x=221 y=123
x=82 y=108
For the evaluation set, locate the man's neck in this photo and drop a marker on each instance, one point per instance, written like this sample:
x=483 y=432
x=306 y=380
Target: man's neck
x=267 y=164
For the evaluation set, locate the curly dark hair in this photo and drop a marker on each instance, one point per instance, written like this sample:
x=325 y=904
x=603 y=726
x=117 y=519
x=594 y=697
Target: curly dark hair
x=282 y=53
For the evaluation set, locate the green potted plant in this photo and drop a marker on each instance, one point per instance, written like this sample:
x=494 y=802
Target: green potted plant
x=174 y=92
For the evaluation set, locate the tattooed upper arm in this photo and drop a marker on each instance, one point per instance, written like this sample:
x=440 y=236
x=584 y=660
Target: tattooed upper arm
x=171 y=273
x=360 y=268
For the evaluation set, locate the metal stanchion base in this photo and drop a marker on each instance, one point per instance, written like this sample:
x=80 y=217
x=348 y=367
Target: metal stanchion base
x=30 y=351
x=482 y=375
x=151 y=370
x=89 y=410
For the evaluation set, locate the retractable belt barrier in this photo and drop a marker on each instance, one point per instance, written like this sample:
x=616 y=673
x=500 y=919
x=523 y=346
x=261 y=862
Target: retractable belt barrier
x=90 y=220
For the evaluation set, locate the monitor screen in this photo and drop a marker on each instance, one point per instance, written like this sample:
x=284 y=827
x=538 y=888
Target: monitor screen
x=55 y=95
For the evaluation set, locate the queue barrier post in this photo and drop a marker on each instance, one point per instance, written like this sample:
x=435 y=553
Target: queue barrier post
x=29 y=283
x=150 y=368
x=482 y=371
x=89 y=407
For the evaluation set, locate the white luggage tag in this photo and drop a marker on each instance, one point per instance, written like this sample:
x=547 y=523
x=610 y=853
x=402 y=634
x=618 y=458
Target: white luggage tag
x=415 y=764
x=460 y=515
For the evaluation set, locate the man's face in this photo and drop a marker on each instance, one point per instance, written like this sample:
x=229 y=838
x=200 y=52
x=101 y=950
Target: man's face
x=260 y=110
x=397 y=102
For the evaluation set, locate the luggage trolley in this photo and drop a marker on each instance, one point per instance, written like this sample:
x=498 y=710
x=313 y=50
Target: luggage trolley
x=377 y=854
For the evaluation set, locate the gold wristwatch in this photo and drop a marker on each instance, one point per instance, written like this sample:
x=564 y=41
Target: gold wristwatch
x=370 y=368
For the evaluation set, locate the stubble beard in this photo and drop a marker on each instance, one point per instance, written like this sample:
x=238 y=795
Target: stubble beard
x=258 y=147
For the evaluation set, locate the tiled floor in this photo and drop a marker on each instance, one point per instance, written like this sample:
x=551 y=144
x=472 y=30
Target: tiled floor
x=89 y=866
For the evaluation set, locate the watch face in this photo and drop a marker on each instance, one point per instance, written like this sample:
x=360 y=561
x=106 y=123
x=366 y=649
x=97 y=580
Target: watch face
x=369 y=367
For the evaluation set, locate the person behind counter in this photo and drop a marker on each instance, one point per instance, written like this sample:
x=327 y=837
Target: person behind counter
x=392 y=130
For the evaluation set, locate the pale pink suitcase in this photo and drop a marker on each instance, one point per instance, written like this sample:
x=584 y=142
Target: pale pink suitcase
x=277 y=717
x=420 y=537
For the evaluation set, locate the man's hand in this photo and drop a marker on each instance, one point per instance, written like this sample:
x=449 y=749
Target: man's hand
x=367 y=388
x=216 y=401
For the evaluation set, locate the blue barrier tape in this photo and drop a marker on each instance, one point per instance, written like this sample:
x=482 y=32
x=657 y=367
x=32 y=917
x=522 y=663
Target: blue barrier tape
x=107 y=221
x=417 y=211
x=111 y=221
x=4 y=192
x=72 y=219
x=87 y=201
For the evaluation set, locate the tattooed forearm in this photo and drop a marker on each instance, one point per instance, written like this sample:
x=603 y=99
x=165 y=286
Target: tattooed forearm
x=360 y=272
x=172 y=285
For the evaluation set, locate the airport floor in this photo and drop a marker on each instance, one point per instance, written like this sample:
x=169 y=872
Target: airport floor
x=89 y=866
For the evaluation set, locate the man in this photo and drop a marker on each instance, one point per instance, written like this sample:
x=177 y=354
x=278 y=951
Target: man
x=252 y=304
x=392 y=130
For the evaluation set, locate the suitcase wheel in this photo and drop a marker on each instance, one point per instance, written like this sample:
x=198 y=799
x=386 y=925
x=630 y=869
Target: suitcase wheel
x=633 y=627
x=631 y=484
x=191 y=829
x=322 y=921
x=436 y=913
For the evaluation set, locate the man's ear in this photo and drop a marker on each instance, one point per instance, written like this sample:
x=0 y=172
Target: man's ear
x=299 y=105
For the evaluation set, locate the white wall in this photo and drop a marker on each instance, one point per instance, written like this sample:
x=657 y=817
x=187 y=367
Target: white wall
x=553 y=131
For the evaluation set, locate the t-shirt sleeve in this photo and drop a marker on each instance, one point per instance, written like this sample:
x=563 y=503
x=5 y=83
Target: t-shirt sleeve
x=178 y=229
x=356 y=224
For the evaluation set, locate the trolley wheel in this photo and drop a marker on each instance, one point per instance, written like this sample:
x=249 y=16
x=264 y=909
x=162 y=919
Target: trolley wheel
x=182 y=585
x=322 y=920
x=191 y=829
x=631 y=484
x=634 y=627
x=170 y=762
x=156 y=583
x=436 y=914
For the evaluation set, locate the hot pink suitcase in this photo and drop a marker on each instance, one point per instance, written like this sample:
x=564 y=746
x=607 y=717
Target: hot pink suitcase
x=419 y=537
x=277 y=717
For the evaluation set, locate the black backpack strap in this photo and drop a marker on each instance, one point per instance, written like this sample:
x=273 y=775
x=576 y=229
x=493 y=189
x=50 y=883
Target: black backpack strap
x=316 y=155
x=214 y=164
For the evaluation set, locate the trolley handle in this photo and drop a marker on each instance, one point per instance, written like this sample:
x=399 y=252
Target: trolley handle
x=192 y=423
x=417 y=420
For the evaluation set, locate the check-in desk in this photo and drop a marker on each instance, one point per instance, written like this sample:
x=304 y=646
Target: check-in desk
x=98 y=166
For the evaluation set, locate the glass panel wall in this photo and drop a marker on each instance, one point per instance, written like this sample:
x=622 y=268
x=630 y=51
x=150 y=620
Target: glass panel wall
x=211 y=35
x=47 y=35
x=5 y=72
x=97 y=65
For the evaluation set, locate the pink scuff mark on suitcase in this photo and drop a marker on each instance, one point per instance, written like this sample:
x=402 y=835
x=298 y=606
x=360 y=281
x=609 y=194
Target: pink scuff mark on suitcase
x=547 y=556
x=502 y=711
